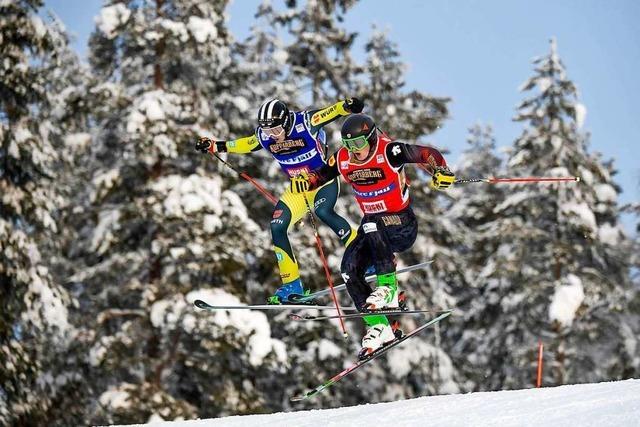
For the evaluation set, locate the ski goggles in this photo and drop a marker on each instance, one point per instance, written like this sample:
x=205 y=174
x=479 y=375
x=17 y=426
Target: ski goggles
x=273 y=132
x=357 y=143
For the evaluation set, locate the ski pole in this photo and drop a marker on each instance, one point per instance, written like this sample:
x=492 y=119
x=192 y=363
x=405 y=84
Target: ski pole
x=244 y=175
x=325 y=264
x=528 y=179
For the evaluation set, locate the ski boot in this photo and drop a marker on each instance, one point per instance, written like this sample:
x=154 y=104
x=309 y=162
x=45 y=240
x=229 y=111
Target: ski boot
x=287 y=293
x=378 y=336
x=386 y=295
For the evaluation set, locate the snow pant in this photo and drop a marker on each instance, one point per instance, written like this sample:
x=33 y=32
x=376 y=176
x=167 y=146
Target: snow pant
x=379 y=236
x=290 y=209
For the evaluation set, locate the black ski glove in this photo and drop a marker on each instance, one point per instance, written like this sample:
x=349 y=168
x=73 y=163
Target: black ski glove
x=353 y=105
x=207 y=145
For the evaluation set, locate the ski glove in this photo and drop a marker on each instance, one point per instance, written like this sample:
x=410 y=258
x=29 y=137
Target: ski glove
x=303 y=183
x=207 y=145
x=353 y=105
x=442 y=178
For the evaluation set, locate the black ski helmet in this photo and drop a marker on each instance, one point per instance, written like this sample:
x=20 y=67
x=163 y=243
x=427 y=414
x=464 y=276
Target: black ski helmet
x=358 y=126
x=274 y=113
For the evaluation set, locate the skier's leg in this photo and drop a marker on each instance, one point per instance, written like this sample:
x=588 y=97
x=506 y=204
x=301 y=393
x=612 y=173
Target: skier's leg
x=402 y=230
x=354 y=264
x=386 y=292
x=285 y=213
x=324 y=202
x=394 y=233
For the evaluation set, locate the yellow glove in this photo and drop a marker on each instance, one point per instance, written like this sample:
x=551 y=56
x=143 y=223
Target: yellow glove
x=300 y=184
x=442 y=179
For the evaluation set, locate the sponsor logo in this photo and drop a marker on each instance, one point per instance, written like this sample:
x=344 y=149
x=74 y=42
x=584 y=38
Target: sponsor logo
x=369 y=227
x=300 y=127
x=345 y=277
x=299 y=159
x=287 y=147
x=277 y=213
x=380 y=158
x=298 y=171
x=396 y=150
x=323 y=114
x=366 y=176
x=231 y=144
x=277 y=221
x=332 y=161
x=319 y=202
x=279 y=257
x=341 y=232
x=374 y=193
x=344 y=165
x=391 y=220
x=374 y=207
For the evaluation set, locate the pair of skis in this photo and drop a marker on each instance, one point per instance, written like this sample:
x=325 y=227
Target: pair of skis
x=350 y=312
x=353 y=315
x=305 y=302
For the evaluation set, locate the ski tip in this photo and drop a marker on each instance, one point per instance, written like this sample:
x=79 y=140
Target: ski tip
x=200 y=304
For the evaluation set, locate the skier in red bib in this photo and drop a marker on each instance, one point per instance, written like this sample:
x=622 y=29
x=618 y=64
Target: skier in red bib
x=374 y=166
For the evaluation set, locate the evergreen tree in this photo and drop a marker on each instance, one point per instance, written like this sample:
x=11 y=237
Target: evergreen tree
x=473 y=206
x=320 y=49
x=558 y=270
x=36 y=371
x=406 y=115
x=157 y=222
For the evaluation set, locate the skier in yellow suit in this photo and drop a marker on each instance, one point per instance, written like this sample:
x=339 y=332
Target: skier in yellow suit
x=296 y=140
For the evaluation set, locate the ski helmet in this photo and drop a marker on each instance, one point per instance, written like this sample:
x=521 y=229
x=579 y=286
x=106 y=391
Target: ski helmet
x=358 y=131
x=274 y=114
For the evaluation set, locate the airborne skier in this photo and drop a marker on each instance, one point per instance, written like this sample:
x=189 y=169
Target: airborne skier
x=295 y=139
x=374 y=166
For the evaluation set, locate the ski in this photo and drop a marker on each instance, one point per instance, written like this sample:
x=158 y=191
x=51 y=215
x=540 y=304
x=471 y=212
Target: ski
x=362 y=362
x=370 y=278
x=389 y=312
x=206 y=306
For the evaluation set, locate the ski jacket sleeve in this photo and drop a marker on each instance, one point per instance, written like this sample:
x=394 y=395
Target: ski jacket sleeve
x=244 y=145
x=325 y=173
x=400 y=153
x=322 y=117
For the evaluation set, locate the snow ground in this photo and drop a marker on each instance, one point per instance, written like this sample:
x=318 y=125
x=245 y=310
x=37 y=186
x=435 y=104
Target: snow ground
x=605 y=404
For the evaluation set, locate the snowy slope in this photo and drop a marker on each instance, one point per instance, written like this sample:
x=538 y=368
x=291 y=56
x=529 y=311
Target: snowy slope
x=605 y=404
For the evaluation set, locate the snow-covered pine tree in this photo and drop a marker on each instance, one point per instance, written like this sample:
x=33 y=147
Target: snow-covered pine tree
x=262 y=63
x=473 y=207
x=36 y=375
x=383 y=87
x=158 y=226
x=320 y=49
x=560 y=271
